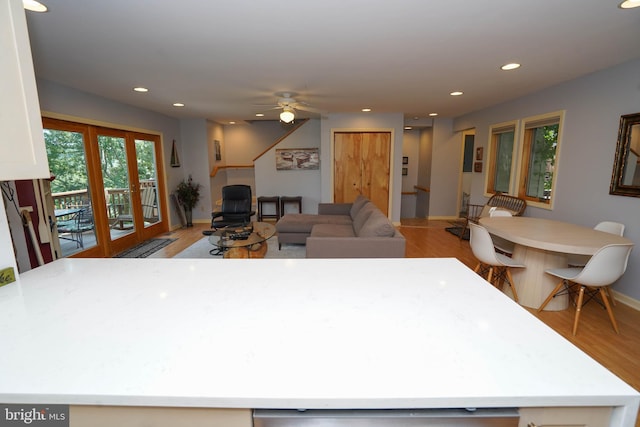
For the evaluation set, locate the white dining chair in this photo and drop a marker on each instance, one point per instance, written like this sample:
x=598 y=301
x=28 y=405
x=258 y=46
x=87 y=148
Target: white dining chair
x=576 y=260
x=489 y=260
x=617 y=228
x=503 y=246
x=602 y=270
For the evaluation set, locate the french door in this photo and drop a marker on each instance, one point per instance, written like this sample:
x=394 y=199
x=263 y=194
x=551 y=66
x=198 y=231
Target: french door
x=129 y=177
x=123 y=187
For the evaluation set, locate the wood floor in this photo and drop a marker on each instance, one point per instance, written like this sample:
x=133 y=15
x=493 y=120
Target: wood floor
x=596 y=337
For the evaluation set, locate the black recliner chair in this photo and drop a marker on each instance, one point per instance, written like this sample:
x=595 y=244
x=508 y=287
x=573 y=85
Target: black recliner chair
x=236 y=207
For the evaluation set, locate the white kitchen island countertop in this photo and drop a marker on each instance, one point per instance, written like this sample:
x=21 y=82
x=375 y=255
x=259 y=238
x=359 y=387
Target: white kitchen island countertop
x=303 y=333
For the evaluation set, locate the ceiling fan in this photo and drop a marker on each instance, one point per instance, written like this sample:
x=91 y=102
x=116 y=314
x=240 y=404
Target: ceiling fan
x=289 y=105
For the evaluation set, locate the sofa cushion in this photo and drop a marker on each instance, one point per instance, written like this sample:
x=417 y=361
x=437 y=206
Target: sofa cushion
x=378 y=225
x=303 y=223
x=362 y=216
x=358 y=204
x=332 y=230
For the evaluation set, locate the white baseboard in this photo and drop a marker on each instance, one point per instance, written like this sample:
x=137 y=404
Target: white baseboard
x=626 y=300
x=444 y=218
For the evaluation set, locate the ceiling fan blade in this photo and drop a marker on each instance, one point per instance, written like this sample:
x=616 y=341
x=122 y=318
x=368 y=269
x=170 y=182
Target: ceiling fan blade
x=304 y=107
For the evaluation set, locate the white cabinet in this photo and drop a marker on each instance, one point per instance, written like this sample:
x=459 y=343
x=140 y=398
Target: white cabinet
x=132 y=416
x=22 y=149
x=596 y=416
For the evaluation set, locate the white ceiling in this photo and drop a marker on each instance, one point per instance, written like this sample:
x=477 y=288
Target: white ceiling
x=222 y=57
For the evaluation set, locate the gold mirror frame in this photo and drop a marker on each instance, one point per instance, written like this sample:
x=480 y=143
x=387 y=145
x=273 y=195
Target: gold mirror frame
x=625 y=180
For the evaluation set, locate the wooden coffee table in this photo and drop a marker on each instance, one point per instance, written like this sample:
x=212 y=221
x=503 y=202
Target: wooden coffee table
x=253 y=246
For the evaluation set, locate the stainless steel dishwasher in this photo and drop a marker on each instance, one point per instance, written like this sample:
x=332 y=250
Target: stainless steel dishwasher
x=386 y=418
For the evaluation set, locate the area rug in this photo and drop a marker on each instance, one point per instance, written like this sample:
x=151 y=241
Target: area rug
x=456 y=232
x=145 y=248
x=201 y=249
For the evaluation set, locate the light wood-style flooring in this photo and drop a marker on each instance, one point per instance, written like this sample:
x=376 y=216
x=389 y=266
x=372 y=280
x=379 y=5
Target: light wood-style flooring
x=428 y=239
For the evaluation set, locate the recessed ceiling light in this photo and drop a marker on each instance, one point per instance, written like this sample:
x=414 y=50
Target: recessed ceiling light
x=510 y=66
x=456 y=93
x=366 y=110
x=34 y=6
x=259 y=115
x=178 y=104
x=433 y=114
x=232 y=123
x=408 y=128
x=141 y=89
x=629 y=4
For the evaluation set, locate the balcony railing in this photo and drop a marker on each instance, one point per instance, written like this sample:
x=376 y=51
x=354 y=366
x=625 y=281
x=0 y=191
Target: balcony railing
x=117 y=199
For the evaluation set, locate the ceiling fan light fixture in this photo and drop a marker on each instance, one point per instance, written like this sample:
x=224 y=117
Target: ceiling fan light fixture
x=629 y=4
x=287 y=115
x=34 y=6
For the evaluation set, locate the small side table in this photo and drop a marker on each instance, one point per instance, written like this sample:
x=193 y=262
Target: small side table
x=293 y=200
x=276 y=205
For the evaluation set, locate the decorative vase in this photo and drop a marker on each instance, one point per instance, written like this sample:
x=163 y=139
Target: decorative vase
x=188 y=214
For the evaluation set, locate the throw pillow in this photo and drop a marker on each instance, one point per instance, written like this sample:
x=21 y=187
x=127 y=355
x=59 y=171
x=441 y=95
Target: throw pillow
x=357 y=204
x=378 y=225
x=362 y=216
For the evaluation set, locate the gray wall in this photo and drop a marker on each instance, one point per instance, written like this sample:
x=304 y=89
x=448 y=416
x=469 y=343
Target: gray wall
x=445 y=170
x=195 y=163
x=305 y=183
x=593 y=106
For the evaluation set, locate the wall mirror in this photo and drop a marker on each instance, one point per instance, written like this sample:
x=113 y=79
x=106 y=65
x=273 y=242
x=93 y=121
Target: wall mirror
x=625 y=180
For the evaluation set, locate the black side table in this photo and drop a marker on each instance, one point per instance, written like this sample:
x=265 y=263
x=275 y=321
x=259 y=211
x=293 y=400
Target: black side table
x=268 y=199
x=294 y=200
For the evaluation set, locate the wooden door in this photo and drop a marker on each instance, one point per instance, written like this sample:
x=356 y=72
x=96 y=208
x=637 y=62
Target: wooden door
x=375 y=154
x=347 y=167
x=361 y=166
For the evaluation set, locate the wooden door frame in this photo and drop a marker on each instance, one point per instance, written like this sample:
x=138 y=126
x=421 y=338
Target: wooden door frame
x=391 y=131
x=463 y=135
x=105 y=248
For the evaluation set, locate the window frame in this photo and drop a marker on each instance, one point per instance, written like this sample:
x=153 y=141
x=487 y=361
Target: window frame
x=492 y=152
x=527 y=124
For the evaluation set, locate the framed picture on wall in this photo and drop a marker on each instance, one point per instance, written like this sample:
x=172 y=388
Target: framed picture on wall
x=216 y=144
x=297 y=159
x=405 y=171
x=479 y=152
x=175 y=160
x=477 y=167
x=405 y=160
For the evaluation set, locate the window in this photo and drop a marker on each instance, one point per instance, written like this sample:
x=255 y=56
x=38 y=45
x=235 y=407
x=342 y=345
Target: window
x=522 y=158
x=500 y=158
x=540 y=148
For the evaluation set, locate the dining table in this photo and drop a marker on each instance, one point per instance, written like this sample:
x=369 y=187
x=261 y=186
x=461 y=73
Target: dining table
x=542 y=244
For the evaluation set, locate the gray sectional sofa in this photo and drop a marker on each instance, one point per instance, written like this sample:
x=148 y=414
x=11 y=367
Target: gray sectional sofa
x=343 y=230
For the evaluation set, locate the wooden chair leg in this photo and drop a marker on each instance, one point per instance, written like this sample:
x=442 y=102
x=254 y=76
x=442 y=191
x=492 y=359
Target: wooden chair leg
x=490 y=276
x=611 y=298
x=603 y=294
x=551 y=295
x=462 y=231
x=578 y=310
x=477 y=267
x=513 y=288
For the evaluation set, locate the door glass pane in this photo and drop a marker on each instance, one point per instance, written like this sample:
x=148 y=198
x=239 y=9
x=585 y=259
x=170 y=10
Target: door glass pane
x=147 y=177
x=115 y=177
x=70 y=192
x=504 y=151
